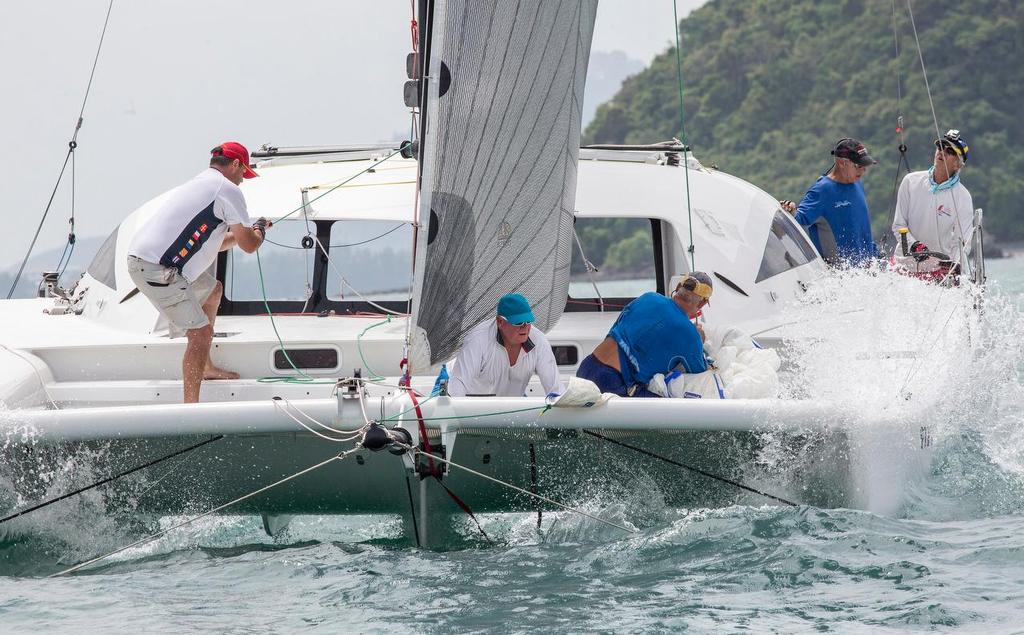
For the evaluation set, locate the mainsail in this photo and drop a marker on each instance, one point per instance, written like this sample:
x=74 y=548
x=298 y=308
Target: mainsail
x=499 y=147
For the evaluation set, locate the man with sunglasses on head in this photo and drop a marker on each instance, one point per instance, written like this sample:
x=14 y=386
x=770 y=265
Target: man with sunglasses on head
x=653 y=334
x=934 y=206
x=500 y=356
x=835 y=210
x=171 y=256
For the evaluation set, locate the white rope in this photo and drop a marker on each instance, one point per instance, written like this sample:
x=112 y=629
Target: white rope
x=521 y=490
x=330 y=265
x=188 y=521
x=315 y=421
x=346 y=439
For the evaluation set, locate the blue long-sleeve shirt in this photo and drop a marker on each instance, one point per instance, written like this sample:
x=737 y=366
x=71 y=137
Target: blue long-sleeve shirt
x=845 y=208
x=656 y=336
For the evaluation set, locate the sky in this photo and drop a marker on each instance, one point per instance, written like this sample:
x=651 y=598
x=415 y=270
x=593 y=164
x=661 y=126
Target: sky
x=176 y=77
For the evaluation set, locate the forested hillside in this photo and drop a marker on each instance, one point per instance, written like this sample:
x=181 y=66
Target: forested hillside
x=769 y=85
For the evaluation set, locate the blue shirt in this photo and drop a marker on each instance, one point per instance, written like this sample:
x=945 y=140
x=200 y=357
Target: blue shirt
x=845 y=209
x=655 y=336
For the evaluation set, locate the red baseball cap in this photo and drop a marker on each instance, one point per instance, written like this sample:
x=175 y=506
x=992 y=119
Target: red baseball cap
x=235 y=150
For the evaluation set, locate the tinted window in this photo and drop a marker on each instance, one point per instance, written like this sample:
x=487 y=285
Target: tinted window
x=102 y=266
x=622 y=250
x=287 y=267
x=375 y=259
x=786 y=248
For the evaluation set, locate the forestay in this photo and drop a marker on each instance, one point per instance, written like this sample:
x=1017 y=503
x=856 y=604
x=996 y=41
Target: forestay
x=500 y=140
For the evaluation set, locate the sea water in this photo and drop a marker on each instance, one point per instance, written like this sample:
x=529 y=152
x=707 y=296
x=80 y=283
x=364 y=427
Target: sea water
x=940 y=548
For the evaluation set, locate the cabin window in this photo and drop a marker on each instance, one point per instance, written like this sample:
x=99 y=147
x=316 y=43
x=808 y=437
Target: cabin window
x=566 y=355
x=103 y=264
x=306 y=358
x=786 y=248
x=370 y=260
x=287 y=266
x=624 y=252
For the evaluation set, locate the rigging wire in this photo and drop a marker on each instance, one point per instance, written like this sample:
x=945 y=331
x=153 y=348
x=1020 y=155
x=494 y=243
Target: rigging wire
x=935 y=119
x=921 y=333
x=550 y=501
x=710 y=475
x=682 y=133
x=903 y=163
x=70 y=154
x=214 y=510
x=111 y=478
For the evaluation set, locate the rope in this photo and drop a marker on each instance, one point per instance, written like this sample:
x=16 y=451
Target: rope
x=692 y=469
x=71 y=150
x=682 y=133
x=359 y=347
x=589 y=267
x=350 y=437
x=303 y=377
x=110 y=478
x=924 y=71
x=528 y=493
x=320 y=196
x=331 y=266
x=191 y=520
x=543 y=409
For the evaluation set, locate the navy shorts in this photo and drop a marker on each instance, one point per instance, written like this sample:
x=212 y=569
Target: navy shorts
x=608 y=379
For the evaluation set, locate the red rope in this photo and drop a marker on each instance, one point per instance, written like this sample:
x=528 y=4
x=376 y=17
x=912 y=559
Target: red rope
x=423 y=432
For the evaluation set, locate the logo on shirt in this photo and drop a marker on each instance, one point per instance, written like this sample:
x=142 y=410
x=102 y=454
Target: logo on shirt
x=842 y=204
x=191 y=242
x=942 y=210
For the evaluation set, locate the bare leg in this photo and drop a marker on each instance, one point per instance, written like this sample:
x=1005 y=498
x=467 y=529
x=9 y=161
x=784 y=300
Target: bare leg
x=210 y=309
x=197 y=355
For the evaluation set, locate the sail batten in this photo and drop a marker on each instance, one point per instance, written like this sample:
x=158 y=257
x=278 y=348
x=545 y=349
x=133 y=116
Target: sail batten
x=499 y=152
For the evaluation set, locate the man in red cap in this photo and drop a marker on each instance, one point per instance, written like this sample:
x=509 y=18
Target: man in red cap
x=171 y=257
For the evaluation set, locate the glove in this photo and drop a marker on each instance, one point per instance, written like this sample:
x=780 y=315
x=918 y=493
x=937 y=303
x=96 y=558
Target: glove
x=919 y=251
x=261 y=225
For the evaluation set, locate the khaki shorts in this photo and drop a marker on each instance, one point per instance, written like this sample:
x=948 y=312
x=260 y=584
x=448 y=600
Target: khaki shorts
x=179 y=300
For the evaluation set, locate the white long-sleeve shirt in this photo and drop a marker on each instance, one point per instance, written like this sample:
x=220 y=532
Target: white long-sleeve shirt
x=482 y=368
x=943 y=220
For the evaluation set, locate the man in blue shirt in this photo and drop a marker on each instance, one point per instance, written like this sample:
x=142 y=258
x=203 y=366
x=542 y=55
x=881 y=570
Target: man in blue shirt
x=653 y=335
x=835 y=210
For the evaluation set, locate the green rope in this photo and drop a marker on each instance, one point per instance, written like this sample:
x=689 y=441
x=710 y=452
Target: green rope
x=474 y=416
x=302 y=378
x=359 y=346
x=682 y=134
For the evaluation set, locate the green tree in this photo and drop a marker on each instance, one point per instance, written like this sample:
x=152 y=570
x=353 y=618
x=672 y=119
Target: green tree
x=770 y=85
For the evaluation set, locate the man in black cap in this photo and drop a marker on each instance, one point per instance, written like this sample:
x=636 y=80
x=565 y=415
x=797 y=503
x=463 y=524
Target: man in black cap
x=835 y=210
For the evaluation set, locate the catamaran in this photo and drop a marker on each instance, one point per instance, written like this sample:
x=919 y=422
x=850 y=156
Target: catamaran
x=381 y=258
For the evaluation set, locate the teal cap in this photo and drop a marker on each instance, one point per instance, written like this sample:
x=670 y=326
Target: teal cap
x=515 y=309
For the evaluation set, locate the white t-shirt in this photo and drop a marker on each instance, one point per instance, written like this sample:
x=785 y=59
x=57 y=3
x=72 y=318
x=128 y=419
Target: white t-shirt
x=187 y=230
x=943 y=220
x=482 y=367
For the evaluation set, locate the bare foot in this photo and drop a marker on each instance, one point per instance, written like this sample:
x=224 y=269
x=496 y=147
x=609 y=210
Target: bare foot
x=212 y=372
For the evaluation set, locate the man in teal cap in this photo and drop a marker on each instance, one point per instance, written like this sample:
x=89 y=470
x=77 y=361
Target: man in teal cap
x=500 y=356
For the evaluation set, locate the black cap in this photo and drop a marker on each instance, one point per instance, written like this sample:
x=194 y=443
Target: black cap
x=855 y=151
